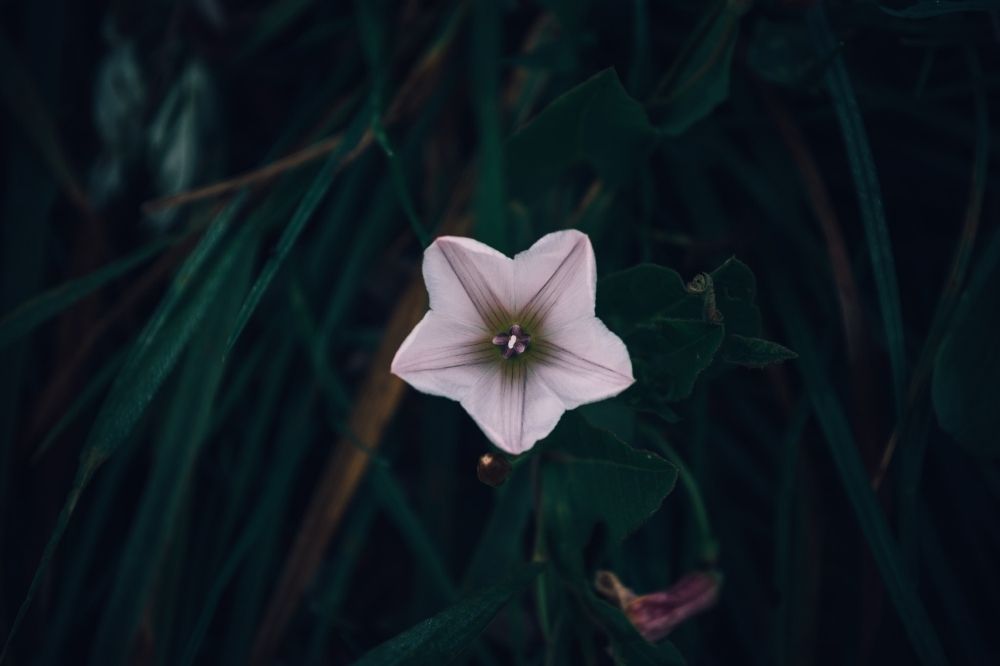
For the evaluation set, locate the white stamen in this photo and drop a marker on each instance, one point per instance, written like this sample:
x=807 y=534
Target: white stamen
x=512 y=342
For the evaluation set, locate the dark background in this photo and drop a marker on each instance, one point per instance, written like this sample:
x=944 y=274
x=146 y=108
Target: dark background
x=205 y=470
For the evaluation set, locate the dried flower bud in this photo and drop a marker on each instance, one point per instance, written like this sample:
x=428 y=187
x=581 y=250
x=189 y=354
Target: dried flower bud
x=655 y=615
x=493 y=469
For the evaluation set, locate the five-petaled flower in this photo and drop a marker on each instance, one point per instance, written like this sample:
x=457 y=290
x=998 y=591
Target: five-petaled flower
x=515 y=340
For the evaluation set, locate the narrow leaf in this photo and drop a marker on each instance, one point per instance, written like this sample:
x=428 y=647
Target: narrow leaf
x=26 y=317
x=448 y=634
x=313 y=196
x=844 y=451
x=866 y=183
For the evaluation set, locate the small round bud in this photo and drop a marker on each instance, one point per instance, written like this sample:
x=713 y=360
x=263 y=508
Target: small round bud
x=493 y=469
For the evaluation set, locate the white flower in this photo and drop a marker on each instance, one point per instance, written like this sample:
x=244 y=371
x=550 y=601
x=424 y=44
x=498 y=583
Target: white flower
x=515 y=341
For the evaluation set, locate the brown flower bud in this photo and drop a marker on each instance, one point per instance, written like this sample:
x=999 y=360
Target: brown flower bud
x=493 y=469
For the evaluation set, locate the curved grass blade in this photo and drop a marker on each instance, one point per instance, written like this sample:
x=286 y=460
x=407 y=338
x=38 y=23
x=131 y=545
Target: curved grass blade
x=313 y=196
x=30 y=314
x=442 y=638
x=145 y=369
x=264 y=518
x=332 y=591
x=147 y=366
x=87 y=396
x=843 y=450
x=869 y=193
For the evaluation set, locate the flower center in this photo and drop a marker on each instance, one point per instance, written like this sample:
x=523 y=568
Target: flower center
x=512 y=343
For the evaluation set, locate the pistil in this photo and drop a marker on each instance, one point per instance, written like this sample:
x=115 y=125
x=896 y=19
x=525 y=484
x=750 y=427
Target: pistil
x=513 y=343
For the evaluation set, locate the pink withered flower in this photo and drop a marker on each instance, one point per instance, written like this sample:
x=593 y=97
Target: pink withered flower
x=656 y=614
x=515 y=341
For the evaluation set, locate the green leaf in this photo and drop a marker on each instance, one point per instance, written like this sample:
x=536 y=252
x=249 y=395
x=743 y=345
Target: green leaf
x=636 y=296
x=499 y=544
x=614 y=415
x=669 y=354
x=699 y=79
x=965 y=389
x=595 y=123
x=43 y=307
x=754 y=352
x=630 y=298
x=442 y=638
x=663 y=323
x=735 y=293
x=592 y=478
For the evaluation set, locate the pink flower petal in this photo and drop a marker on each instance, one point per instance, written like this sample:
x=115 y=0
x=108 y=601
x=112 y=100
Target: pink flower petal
x=469 y=282
x=512 y=406
x=443 y=356
x=555 y=280
x=583 y=362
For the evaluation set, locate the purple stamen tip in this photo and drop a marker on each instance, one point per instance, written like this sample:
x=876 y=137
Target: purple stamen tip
x=512 y=343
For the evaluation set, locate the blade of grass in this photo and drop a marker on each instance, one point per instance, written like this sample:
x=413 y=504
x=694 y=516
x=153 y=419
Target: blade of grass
x=320 y=186
x=89 y=394
x=394 y=502
x=150 y=359
x=181 y=437
x=784 y=531
x=268 y=514
x=912 y=430
x=371 y=28
x=871 y=520
x=30 y=314
x=147 y=365
x=265 y=516
x=370 y=237
x=869 y=194
x=78 y=578
x=386 y=488
x=444 y=637
x=251 y=445
x=491 y=202
x=332 y=592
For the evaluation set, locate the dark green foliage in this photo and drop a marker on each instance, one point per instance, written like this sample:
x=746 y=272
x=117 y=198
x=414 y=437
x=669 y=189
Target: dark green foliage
x=596 y=122
x=179 y=376
x=445 y=636
x=699 y=79
x=591 y=479
x=966 y=391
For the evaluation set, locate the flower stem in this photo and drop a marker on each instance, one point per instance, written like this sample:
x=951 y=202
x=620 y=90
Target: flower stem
x=708 y=546
x=539 y=551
